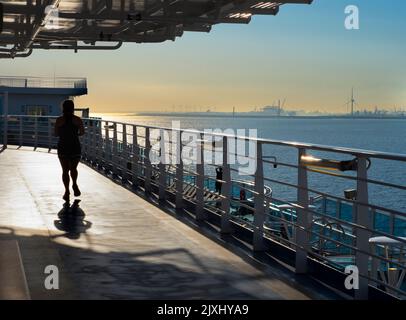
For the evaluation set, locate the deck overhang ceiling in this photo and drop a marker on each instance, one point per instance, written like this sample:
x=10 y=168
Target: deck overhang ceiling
x=106 y=24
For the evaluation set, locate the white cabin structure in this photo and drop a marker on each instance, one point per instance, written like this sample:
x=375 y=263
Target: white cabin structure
x=38 y=96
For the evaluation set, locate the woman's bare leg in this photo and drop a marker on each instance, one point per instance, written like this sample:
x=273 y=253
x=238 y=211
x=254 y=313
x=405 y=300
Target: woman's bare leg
x=74 y=175
x=65 y=177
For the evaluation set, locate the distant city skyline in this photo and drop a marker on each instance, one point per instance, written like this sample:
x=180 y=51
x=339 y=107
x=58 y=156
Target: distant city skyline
x=285 y=111
x=304 y=54
x=345 y=110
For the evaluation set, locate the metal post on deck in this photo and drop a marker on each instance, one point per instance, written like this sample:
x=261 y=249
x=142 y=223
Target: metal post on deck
x=106 y=146
x=20 y=134
x=147 y=161
x=179 y=171
x=5 y=119
x=200 y=180
x=49 y=135
x=85 y=145
x=124 y=153
x=99 y=142
x=304 y=217
x=259 y=215
x=162 y=173
x=36 y=132
x=92 y=132
x=362 y=236
x=226 y=191
x=136 y=151
x=115 y=151
x=88 y=138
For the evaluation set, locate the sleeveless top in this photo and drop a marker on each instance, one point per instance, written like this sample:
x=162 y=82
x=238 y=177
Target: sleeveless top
x=69 y=144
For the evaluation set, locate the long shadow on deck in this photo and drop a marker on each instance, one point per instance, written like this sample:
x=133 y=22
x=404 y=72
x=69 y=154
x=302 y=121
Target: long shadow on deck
x=112 y=263
x=150 y=274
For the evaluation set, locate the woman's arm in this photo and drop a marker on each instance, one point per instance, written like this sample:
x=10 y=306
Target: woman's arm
x=56 y=128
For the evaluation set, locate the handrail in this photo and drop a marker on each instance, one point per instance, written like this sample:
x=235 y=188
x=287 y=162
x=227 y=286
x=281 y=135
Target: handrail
x=298 y=145
x=317 y=147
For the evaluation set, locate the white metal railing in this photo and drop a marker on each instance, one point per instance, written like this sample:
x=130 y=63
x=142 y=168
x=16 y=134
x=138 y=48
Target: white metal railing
x=40 y=82
x=316 y=221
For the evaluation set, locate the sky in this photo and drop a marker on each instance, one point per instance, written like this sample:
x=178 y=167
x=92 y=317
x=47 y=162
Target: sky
x=304 y=55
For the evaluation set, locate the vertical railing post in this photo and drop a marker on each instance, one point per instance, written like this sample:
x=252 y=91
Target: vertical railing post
x=5 y=118
x=226 y=190
x=135 y=162
x=106 y=151
x=147 y=161
x=124 y=154
x=36 y=132
x=85 y=145
x=179 y=171
x=91 y=128
x=98 y=134
x=259 y=215
x=49 y=135
x=375 y=264
x=114 y=158
x=88 y=138
x=20 y=134
x=364 y=220
x=162 y=162
x=100 y=144
x=200 y=180
x=324 y=211
x=304 y=217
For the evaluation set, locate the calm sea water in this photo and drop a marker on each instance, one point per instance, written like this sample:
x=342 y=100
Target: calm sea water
x=379 y=135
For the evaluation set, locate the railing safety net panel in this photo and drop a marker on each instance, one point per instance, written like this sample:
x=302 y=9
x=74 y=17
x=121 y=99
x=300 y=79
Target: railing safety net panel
x=343 y=207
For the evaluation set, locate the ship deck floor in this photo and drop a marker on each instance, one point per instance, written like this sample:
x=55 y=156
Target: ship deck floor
x=123 y=248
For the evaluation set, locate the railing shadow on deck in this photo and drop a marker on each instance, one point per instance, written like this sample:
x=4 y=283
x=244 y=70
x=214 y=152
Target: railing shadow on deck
x=130 y=275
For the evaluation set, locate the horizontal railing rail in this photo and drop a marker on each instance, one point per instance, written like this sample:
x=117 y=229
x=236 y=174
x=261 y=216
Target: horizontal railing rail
x=39 y=82
x=336 y=218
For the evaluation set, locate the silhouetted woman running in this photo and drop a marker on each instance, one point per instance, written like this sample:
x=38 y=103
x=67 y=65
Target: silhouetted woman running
x=68 y=128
